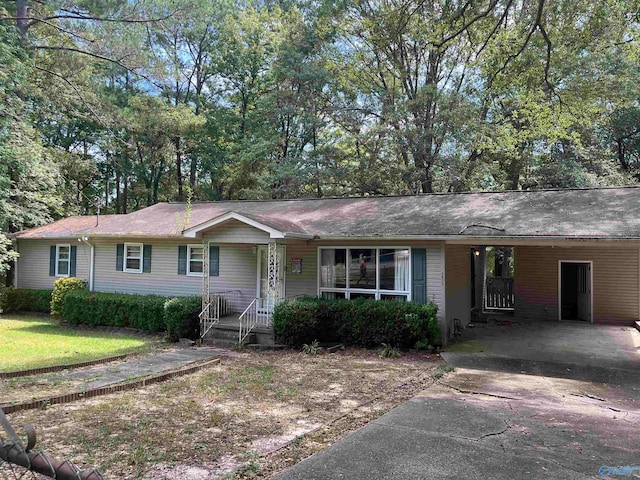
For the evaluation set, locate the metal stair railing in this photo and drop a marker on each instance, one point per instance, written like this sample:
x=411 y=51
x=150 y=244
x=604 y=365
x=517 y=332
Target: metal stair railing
x=248 y=320
x=221 y=304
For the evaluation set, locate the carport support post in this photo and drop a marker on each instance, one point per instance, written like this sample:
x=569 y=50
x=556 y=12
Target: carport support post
x=481 y=275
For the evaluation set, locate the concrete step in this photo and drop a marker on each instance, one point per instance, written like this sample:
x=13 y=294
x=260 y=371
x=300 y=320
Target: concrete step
x=223 y=334
x=217 y=342
x=260 y=346
x=637 y=324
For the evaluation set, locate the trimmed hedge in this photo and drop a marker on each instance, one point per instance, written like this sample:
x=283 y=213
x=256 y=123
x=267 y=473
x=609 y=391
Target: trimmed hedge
x=363 y=322
x=181 y=318
x=145 y=312
x=178 y=316
x=22 y=299
x=60 y=289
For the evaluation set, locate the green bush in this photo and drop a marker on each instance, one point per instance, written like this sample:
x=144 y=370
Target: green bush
x=145 y=312
x=60 y=289
x=22 y=299
x=363 y=322
x=181 y=318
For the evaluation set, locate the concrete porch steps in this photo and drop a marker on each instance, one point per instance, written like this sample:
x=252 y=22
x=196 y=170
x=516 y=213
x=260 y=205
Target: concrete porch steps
x=225 y=334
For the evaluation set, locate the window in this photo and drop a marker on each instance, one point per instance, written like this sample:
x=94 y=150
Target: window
x=195 y=265
x=380 y=273
x=63 y=260
x=133 y=257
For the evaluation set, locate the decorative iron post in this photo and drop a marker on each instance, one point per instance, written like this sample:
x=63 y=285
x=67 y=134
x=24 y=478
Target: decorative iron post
x=273 y=263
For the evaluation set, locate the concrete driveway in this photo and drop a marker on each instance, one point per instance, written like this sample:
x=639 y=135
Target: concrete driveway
x=542 y=400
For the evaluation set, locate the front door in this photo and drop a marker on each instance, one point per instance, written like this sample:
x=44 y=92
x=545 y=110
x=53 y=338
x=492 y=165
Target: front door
x=266 y=302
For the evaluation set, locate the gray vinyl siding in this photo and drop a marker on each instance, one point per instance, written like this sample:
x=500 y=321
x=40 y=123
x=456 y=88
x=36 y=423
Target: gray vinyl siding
x=33 y=264
x=233 y=231
x=305 y=283
x=615 y=274
x=238 y=271
x=162 y=280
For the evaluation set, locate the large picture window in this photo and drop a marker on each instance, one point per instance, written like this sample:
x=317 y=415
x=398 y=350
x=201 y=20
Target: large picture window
x=133 y=257
x=380 y=273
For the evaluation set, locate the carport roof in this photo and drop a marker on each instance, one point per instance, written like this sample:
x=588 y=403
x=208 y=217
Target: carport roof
x=593 y=213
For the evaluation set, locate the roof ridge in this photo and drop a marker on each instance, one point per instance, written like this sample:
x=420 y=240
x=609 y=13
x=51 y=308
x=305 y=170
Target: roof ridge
x=487 y=192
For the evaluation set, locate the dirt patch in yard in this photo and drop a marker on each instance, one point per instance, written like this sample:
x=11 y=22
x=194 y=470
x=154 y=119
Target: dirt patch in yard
x=256 y=412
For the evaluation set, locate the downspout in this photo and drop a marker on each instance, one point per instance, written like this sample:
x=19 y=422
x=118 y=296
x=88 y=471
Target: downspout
x=92 y=255
x=15 y=264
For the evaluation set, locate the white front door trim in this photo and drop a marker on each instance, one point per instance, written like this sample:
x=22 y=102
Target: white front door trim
x=588 y=262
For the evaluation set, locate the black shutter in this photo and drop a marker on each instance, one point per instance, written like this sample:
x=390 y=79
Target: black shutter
x=119 y=256
x=72 y=260
x=146 y=258
x=214 y=261
x=52 y=261
x=419 y=273
x=182 y=260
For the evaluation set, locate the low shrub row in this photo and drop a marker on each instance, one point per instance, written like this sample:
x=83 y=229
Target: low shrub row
x=363 y=322
x=70 y=300
x=25 y=300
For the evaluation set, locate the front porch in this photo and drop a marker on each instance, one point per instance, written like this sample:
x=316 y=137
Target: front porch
x=231 y=317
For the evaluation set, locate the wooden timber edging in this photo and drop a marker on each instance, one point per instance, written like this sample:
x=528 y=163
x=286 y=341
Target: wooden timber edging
x=98 y=392
x=58 y=368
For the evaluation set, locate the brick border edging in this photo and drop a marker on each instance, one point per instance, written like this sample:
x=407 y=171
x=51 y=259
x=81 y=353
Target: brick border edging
x=57 y=368
x=98 y=392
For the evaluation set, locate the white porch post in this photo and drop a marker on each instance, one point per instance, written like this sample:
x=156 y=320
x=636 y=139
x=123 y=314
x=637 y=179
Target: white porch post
x=273 y=274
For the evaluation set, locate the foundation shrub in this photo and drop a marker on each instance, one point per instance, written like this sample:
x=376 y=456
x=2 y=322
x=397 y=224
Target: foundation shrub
x=60 y=288
x=145 y=312
x=25 y=300
x=181 y=318
x=363 y=322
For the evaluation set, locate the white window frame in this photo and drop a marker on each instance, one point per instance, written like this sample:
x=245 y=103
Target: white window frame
x=377 y=292
x=125 y=257
x=58 y=247
x=189 y=272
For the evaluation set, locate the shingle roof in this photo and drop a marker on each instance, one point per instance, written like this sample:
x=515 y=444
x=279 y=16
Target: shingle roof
x=577 y=213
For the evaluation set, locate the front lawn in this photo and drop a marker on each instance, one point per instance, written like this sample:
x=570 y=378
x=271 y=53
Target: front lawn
x=33 y=341
x=239 y=414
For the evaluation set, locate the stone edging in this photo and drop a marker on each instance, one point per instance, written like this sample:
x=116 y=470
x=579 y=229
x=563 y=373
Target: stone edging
x=58 y=368
x=98 y=392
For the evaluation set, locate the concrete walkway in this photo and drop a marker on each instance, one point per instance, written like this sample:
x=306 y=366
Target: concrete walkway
x=152 y=364
x=499 y=422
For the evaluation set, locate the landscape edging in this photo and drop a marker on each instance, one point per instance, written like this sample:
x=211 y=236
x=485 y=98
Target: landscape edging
x=98 y=392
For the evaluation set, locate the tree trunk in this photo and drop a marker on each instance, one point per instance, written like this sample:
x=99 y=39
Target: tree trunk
x=22 y=13
x=125 y=195
x=179 y=169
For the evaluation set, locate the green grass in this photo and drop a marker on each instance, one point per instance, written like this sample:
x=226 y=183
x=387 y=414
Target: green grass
x=33 y=341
